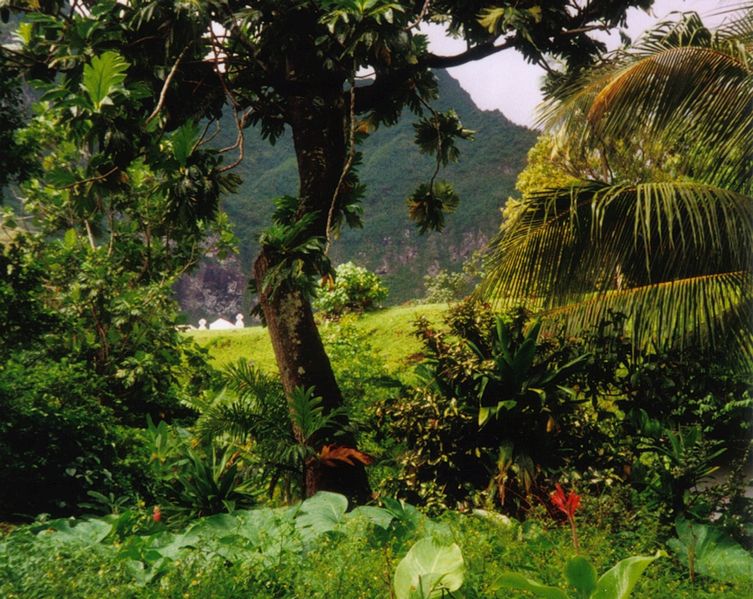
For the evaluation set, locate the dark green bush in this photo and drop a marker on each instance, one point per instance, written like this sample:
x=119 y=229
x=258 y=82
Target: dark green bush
x=192 y=480
x=57 y=440
x=86 y=357
x=680 y=414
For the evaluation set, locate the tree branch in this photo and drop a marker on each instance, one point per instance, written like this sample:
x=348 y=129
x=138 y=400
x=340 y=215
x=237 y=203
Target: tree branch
x=168 y=80
x=240 y=121
x=90 y=179
x=348 y=163
x=420 y=17
x=433 y=61
x=368 y=96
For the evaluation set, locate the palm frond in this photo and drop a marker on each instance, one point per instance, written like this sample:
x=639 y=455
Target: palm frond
x=674 y=254
x=568 y=242
x=240 y=421
x=686 y=89
x=710 y=311
x=258 y=409
x=694 y=98
x=676 y=258
x=250 y=382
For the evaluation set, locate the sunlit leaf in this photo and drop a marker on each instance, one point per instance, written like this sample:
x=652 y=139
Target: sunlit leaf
x=103 y=76
x=429 y=570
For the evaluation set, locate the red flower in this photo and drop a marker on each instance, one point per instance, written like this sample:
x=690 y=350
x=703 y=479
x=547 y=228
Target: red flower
x=156 y=514
x=568 y=504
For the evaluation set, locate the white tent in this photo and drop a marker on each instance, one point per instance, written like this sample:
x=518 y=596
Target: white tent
x=221 y=325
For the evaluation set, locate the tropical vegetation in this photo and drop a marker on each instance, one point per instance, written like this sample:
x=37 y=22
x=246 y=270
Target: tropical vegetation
x=579 y=425
x=655 y=221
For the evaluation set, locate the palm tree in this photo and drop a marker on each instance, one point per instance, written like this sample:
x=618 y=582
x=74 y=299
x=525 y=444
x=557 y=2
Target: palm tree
x=664 y=234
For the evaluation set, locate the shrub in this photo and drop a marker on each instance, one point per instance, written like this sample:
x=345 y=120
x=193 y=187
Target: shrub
x=680 y=415
x=445 y=286
x=354 y=289
x=493 y=410
x=90 y=350
x=57 y=440
x=194 y=481
x=360 y=370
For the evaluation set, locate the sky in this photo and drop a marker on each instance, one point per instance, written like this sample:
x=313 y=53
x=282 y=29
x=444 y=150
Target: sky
x=515 y=91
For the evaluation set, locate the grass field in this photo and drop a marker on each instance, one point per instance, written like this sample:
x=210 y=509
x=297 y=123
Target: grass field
x=391 y=335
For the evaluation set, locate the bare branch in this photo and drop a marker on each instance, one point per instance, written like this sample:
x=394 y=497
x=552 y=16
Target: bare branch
x=203 y=140
x=90 y=234
x=168 y=80
x=348 y=163
x=91 y=179
x=239 y=121
x=421 y=15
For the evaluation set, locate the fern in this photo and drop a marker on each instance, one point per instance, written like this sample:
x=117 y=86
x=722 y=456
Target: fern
x=278 y=435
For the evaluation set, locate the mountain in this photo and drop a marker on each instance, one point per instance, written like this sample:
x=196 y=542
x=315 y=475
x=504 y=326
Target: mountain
x=392 y=167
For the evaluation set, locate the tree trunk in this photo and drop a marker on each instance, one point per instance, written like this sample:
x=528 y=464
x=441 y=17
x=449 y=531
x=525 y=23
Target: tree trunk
x=319 y=137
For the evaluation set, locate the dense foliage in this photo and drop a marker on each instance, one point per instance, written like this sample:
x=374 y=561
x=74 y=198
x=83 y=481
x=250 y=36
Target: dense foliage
x=552 y=463
x=493 y=410
x=392 y=550
x=115 y=75
x=500 y=412
x=108 y=218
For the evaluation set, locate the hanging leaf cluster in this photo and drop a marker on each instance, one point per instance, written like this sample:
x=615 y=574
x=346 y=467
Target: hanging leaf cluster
x=429 y=204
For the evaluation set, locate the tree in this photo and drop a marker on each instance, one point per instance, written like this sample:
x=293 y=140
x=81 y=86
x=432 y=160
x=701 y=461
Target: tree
x=661 y=227
x=296 y=64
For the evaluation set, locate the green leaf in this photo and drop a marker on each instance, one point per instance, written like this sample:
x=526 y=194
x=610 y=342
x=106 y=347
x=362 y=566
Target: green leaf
x=535 y=12
x=484 y=413
x=377 y=515
x=321 y=513
x=618 y=582
x=103 y=77
x=715 y=554
x=429 y=570
x=84 y=533
x=216 y=526
x=512 y=580
x=70 y=238
x=184 y=140
x=582 y=575
x=24 y=32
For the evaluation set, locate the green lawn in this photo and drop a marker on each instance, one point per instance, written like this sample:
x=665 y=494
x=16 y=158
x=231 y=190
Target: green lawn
x=391 y=336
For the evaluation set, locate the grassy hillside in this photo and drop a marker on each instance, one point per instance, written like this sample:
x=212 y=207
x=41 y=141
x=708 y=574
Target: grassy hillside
x=391 y=335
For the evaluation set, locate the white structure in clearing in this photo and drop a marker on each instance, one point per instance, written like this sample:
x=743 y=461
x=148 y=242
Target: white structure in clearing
x=221 y=324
